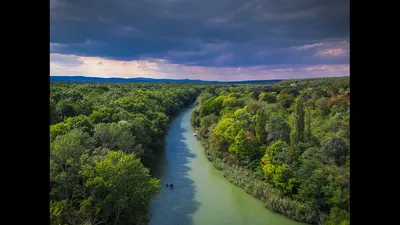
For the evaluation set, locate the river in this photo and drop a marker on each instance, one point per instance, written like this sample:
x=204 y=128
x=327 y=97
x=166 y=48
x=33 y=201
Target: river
x=202 y=196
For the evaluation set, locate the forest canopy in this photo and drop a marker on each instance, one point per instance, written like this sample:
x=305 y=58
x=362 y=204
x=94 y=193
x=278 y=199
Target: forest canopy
x=100 y=130
x=286 y=144
x=292 y=136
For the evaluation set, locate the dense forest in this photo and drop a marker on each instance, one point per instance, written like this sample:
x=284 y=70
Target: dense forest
x=286 y=144
x=102 y=139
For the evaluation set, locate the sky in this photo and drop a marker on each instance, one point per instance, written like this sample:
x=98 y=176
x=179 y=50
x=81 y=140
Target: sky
x=225 y=40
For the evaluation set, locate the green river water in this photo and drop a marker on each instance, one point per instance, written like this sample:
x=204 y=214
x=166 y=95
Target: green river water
x=202 y=196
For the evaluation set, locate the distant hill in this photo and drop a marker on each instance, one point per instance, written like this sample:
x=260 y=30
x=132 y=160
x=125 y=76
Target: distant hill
x=149 y=80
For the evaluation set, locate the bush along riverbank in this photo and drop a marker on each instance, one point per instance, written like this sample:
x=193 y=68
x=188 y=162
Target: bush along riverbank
x=286 y=144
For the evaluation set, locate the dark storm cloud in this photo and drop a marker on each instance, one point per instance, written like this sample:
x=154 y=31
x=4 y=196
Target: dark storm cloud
x=206 y=32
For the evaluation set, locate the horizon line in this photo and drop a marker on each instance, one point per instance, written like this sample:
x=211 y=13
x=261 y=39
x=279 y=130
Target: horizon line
x=127 y=78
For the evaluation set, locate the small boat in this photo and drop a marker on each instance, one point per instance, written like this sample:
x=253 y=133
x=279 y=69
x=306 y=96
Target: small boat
x=194 y=134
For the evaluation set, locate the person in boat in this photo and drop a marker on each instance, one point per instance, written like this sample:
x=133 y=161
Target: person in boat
x=172 y=186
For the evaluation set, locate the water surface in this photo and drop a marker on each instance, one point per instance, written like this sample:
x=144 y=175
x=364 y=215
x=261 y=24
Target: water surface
x=202 y=196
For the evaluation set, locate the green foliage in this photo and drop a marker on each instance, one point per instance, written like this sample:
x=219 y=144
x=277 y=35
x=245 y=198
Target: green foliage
x=111 y=195
x=99 y=130
x=244 y=146
x=338 y=216
x=194 y=118
x=80 y=122
x=57 y=211
x=322 y=105
x=305 y=163
x=244 y=120
x=222 y=136
x=100 y=134
x=58 y=129
x=279 y=153
x=336 y=148
x=269 y=97
x=54 y=113
x=102 y=115
x=285 y=100
x=297 y=133
x=261 y=121
x=206 y=124
x=211 y=106
x=307 y=124
x=277 y=129
x=116 y=136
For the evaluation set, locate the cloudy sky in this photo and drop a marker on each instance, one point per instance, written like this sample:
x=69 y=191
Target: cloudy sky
x=200 y=39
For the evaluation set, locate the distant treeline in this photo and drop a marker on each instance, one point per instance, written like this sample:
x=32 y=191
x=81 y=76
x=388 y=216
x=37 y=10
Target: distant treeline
x=286 y=144
x=75 y=79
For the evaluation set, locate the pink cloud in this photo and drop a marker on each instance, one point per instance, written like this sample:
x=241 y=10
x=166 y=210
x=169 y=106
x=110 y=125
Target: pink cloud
x=334 y=52
x=283 y=70
x=327 y=48
x=71 y=65
x=329 y=68
x=307 y=47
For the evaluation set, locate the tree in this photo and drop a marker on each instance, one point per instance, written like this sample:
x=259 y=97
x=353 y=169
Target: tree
x=58 y=129
x=261 y=121
x=243 y=120
x=66 y=188
x=66 y=108
x=116 y=136
x=206 y=123
x=279 y=153
x=57 y=211
x=282 y=179
x=80 y=122
x=297 y=133
x=54 y=114
x=338 y=216
x=102 y=115
x=336 y=148
x=128 y=193
x=244 y=146
x=141 y=129
x=253 y=106
x=275 y=165
x=223 y=135
x=285 y=99
x=307 y=129
x=269 y=97
x=322 y=105
x=195 y=118
x=315 y=154
x=229 y=102
x=212 y=105
x=277 y=129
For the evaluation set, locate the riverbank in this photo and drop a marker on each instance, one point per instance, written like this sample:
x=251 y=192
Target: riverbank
x=201 y=194
x=271 y=198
